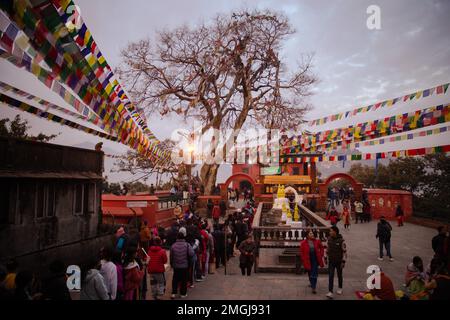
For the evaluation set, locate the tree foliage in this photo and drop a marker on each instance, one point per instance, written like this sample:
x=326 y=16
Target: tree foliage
x=18 y=128
x=427 y=177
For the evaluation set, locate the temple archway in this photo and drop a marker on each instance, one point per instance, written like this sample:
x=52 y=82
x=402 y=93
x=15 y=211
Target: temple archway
x=323 y=188
x=238 y=177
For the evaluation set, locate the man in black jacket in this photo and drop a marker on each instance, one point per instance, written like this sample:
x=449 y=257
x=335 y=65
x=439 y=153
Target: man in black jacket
x=241 y=230
x=384 y=237
x=219 y=244
x=336 y=256
x=438 y=244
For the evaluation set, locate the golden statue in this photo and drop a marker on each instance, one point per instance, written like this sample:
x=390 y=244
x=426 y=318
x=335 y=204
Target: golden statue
x=296 y=216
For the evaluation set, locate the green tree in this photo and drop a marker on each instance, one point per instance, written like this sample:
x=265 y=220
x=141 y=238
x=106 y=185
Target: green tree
x=364 y=174
x=427 y=178
x=18 y=128
x=137 y=186
x=407 y=173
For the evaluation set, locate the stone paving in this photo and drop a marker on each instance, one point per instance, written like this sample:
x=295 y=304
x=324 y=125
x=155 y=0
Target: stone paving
x=407 y=241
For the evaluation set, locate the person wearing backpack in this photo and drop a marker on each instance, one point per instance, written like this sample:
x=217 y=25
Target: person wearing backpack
x=384 y=238
x=181 y=253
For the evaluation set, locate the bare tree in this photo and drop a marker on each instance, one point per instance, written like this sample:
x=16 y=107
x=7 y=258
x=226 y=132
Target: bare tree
x=226 y=74
x=135 y=163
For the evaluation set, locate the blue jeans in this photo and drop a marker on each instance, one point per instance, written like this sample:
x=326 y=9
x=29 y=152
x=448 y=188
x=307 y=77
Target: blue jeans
x=387 y=245
x=313 y=273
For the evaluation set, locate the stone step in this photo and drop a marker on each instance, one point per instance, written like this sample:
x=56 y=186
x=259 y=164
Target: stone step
x=287 y=259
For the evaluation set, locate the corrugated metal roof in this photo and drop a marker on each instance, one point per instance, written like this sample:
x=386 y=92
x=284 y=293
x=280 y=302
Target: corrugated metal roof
x=49 y=175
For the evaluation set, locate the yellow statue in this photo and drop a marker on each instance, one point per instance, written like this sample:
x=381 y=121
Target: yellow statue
x=289 y=214
x=296 y=216
x=283 y=208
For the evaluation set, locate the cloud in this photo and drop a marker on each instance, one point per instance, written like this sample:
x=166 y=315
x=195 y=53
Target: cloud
x=414 y=32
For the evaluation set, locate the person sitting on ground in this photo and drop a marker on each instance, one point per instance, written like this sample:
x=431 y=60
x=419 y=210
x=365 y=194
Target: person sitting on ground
x=415 y=279
x=386 y=290
x=440 y=284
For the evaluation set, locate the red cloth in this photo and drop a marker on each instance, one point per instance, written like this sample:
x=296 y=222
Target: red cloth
x=133 y=278
x=204 y=239
x=346 y=216
x=216 y=212
x=386 y=291
x=304 y=253
x=158 y=258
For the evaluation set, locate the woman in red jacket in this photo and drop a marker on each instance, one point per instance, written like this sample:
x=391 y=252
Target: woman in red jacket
x=311 y=254
x=156 y=268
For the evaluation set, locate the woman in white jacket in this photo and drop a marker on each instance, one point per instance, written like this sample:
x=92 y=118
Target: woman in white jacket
x=93 y=285
x=109 y=272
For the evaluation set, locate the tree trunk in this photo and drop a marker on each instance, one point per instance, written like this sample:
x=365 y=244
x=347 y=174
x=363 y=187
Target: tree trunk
x=208 y=174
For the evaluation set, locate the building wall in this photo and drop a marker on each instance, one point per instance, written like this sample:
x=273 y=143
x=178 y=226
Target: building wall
x=49 y=203
x=384 y=202
x=27 y=232
x=151 y=212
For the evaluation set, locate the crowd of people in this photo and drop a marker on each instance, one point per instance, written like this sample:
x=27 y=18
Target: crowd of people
x=198 y=247
x=420 y=283
x=235 y=194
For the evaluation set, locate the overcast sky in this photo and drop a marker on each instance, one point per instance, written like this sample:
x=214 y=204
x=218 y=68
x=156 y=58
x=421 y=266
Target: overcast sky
x=356 y=66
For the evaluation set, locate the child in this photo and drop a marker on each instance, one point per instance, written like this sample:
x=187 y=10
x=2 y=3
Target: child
x=346 y=217
x=156 y=268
